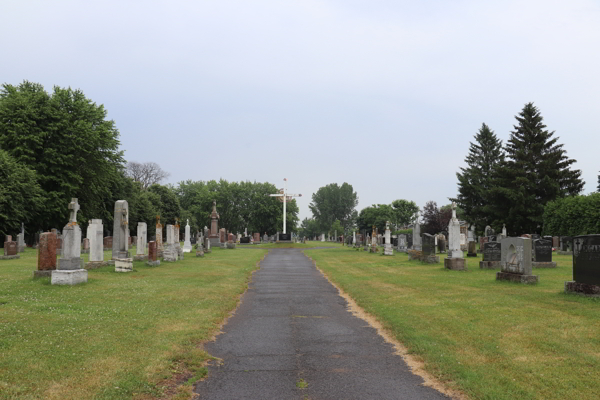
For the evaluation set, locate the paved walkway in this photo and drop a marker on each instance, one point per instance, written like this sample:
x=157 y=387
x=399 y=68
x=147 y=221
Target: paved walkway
x=292 y=325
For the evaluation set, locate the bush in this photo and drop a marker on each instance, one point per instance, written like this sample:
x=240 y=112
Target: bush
x=570 y=216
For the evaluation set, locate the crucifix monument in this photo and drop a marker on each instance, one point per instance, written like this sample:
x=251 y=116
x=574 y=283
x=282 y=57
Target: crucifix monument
x=284 y=197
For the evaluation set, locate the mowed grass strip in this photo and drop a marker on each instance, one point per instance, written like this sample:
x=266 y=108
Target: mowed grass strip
x=118 y=336
x=489 y=339
x=307 y=245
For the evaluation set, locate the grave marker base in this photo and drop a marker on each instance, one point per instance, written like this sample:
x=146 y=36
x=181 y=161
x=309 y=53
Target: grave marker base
x=140 y=257
x=42 y=274
x=455 y=264
x=69 y=276
x=507 y=276
x=153 y=263
x=548 y=264
x=123 y=265
x=564 y=253
x=489 y=264
x=10 y=257
x=98 y=264
x=584 y=289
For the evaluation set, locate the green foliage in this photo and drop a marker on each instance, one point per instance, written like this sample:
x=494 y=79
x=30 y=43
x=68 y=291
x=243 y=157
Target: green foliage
x=333 y=202
x=240 y=205
x=404 y=212
x=309 y=228
x=403 y=231
x=377 y=215
x=20 y=195
x=65 y=138
x=573 y=215
x=435 y=220
x=475 y=181
x=336 y=227
x=535 y=172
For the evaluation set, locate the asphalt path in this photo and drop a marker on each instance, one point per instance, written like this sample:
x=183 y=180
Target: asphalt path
x=292 y=337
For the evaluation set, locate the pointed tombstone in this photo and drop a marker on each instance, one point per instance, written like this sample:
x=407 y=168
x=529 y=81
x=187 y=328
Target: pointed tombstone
x=142 y=238
x=170 y=252
x=187 y=244
x=69 y=271
x=46 y=255
x=455 y=261
x=120 y=245
x=416 y=234
x=388 y=249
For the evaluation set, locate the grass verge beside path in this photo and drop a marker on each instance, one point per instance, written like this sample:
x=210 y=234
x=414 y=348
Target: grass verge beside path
x=307 y=245
x=489 y=339
x=118 y=336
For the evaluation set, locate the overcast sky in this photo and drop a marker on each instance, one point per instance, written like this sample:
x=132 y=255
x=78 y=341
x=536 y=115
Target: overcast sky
x=384 y=95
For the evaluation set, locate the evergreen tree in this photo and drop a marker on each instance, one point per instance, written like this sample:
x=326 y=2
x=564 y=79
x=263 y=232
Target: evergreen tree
x=475 y=181
x=598 y=183
x=536 y=171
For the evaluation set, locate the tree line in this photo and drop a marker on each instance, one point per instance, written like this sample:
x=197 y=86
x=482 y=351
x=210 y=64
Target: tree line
x=59 y=145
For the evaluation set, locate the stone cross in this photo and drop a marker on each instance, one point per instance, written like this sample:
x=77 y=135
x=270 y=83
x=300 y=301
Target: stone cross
x=285 y=197
x=74 y=207
x=453 y=210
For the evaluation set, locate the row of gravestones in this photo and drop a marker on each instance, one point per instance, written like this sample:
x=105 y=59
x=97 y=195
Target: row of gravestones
x=70 y=269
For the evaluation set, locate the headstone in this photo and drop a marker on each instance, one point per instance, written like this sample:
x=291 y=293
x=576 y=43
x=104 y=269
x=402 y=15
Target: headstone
x=373 y=248
x=69 y=271
x=542 y=254
x=416 y=236
x=107 y=243
x=159 y=236
x=482 y=240
x=388 y=249
x=492 y=255
x=354 y=238
x=455 y=261
x=199 y=250
x=187 y=245
x=21 y=239
x=46 y=255
x=85 y=246
x=11 y=250
x=214 y=226
x=441 y=245
x=256 y=237
x=472 y=249
x=566 y=246
x=555 y=242
x=207 y=245
x=402 y=242
x=265 y=238
x=120 y=248
x=470 y=234
x=245 y=240
x=322 y=237
x=95 y=231
x=586 y=266
x=464 y=235
x=170 y=252
x=153 y=254
x=489 y=231
x=409 y=242
x=516 y=261
x=141 y=239
x=428 y=245
x=504 y=235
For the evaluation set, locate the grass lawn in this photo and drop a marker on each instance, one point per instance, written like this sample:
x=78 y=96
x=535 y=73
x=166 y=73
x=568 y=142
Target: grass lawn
x=309 y=244
x=489 y=339
x=118 y=336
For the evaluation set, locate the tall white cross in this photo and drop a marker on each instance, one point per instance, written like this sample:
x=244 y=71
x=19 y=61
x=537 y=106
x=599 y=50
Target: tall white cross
x=285 y=197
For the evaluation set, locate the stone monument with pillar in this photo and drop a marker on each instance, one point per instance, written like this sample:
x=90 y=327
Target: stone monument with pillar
x=455 y=261
x=70 y=271
x=187 y=244
x=388 y=249
x=120 y=244
x=214 y=226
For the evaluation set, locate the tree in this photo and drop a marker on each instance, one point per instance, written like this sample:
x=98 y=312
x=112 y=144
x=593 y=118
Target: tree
x=572 y=216
x=333 y=202
x=435 y=220
x=336 y=228
x=475 y=181
x=309 y=228
x=377 y=214
x=598 y=183
x=536 y=171
x=20 y=195
x=147 y=174
x=404 y=212
x=166 y=202
x=65 y=138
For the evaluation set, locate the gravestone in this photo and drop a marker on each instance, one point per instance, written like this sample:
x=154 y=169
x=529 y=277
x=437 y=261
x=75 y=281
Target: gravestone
x=108 y=243
x=455 y=260
x=416 y=234
x=170 y=252
x=566 y=246
x=46 y=255
x=11 y=249
x=199 y=250
x=207 y=245
x=153 y=260
x=85 y=246
x=230 y=241
x=492 y=255
x=388 y=249
x=69 y=270
x=222 y=237
x=120 y=247
x=482 y=240
x=284 y=237
x=472 y=249
x=409 y=242
x=463 y=236
x=586 y=266
x=542 y=254
x=265 y=238
x=176 y=231
x=488 y=231
x=95 y=231
x=428 y=249
x=402 y=242
x=245 y=240
x=515 y=262
x=187 y=245
x=21 y=239
x=140 y=245
x=555 y=242
x=214 y=236
x=159 y=237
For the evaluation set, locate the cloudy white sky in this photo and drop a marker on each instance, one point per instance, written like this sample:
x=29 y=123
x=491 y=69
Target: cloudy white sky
x=384 y=95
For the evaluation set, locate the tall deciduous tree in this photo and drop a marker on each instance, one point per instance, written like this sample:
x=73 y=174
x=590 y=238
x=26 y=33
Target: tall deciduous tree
x=147 y=174
x=476 y=180
x=65 y=138
x=536 y=171
x=20 y=195
x=333 y=202
x=404 y=212
x=377 y=214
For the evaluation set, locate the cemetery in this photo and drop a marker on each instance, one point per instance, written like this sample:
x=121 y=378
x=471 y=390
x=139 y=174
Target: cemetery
x=138 y=265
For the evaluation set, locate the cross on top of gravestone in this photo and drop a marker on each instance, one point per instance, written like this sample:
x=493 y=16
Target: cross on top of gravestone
x=124 y=213
x=74 y=207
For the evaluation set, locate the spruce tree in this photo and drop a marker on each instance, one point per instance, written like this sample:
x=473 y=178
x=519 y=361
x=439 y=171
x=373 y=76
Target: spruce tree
x=536 y=170
x=475 y=181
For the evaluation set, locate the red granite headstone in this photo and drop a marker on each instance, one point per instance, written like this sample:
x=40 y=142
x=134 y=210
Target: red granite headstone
x=222 y=237
x=47 y=251
x=58 y=243
x=10 y=248
x=86 y=244
x=152 y=251
x=108 y=242
x=8 y=238
x=257 y=237
x=230 y=238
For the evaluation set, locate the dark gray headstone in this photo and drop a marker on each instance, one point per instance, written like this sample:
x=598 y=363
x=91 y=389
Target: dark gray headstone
x=409 y=241
x=542 y=249
x=566 y=243
x=492 y=238
x=428 y=245
x=492 y=251
x=586 y=259
x=245 y=239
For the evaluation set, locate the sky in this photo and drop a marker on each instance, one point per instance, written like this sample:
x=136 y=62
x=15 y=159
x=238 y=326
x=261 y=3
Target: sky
x=384 y=95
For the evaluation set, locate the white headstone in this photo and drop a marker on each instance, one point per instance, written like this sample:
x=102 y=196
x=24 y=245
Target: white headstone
x=454 y=235
x=142 y=238
x=95 y=234
x=187 y=245
x=416 y=245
